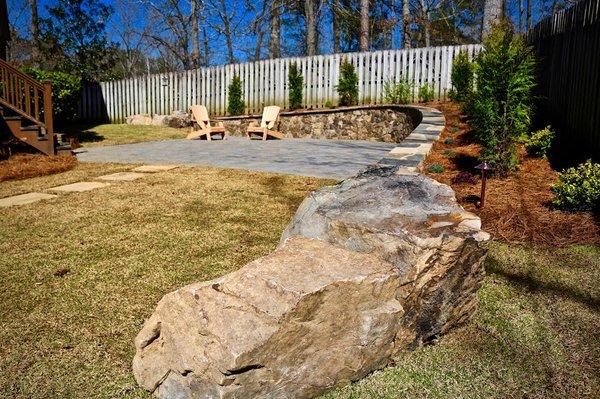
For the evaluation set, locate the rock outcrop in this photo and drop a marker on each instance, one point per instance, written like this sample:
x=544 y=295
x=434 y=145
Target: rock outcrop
x=414 y=223
x=376 y=265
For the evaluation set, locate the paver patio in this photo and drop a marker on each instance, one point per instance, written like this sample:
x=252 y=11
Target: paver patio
x=307 y=157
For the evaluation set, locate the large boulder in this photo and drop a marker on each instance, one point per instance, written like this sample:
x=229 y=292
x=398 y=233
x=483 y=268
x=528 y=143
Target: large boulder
x=139 y=119
x=415 y=223
x=290 y=325
x=178 y=119
x=378 y=264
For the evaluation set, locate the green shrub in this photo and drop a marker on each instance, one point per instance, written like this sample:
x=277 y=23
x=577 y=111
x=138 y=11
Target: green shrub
x=347 y=87
x=462 y=78
x=449 y=141
x=500 y=109
x=295 y=82
x=450 y=153
x=426 y=93
x=235 y=104
x=328 y=104
x=397 y=92
x=578 y=188
x=435 y=168
x=66 y=93
x=540 y=142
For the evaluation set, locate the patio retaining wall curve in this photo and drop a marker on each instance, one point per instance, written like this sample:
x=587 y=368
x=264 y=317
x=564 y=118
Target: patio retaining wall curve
x=378 y=264
x=388 y=123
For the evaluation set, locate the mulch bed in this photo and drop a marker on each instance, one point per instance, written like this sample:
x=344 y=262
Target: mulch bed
x=24 y=166
x=517 y=209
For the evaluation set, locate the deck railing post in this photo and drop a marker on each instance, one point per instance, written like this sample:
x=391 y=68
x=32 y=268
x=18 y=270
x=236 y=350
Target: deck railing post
x=48 y=108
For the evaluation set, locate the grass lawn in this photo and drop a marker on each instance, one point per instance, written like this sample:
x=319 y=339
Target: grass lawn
x=78 y=283
x=110 y=134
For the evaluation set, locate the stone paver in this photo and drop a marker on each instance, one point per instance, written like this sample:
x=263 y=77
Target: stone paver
x=122 y=176
x=78 y=187
x=24 y=199
x=336 y=159
x=154 y=168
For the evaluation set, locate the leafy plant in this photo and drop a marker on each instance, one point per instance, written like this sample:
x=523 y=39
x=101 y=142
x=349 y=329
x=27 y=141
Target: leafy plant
x=397 y=92
x=500 y=110
x=435 y=168
x=426 y=93
x=66 y=91
x=540 y=142
x=235 y=104
x=295 y=82
x=578 y=188
x=450 y=153
x=462 y=78
x=347 y=87
x=449 y=140
x=328 y=104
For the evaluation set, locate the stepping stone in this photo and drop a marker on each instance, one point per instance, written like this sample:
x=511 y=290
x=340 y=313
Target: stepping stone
x=24 y=199
x=122 y=176
x=154 y=168
x=78 y=187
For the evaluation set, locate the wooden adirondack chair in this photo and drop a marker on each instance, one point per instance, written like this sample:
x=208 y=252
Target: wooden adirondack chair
x=201 y=127
x=269 y=118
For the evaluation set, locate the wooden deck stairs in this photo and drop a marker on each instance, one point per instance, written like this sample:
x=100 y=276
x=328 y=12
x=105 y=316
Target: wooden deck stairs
x=26 y=112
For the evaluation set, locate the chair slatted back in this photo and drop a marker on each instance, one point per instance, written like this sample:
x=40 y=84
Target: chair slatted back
x=269 y=116
x=200 y=115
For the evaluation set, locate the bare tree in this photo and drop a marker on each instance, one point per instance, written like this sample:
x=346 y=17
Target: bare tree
x=335 y=9
x=225 y=25
x=364 y=25
x=406 y=23
x=195 y=34
x=34 y=31
x=493 y=11
x=275 y=29
x=528 y=14
x=311 y=27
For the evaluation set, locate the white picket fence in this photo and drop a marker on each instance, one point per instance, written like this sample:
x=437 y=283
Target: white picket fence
x=265 y=83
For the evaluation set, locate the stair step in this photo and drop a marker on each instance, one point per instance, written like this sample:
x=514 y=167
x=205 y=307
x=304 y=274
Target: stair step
x=12 y=118
x=31 y=128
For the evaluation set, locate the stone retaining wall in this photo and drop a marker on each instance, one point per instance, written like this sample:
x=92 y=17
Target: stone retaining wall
x=388 y=123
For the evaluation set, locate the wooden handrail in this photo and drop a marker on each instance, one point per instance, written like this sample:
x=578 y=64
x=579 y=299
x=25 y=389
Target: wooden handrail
x=26 y=96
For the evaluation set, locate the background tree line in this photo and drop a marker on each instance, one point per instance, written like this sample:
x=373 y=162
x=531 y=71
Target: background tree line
x=100 y=40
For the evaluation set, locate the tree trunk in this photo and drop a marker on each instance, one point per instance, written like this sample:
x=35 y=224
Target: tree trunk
x=195 y=35
x=426 y=23
x=406 y=23
x=335 y=6
x=311 y=28
x=206 y=48
x=34 y=30
x=493 y=11
x=364 y=25
x=520 y=28
x=528 y=14
x=275 y=29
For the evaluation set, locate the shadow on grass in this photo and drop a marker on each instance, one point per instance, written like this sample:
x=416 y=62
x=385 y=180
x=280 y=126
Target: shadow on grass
x=533 y=284
x=83 y=133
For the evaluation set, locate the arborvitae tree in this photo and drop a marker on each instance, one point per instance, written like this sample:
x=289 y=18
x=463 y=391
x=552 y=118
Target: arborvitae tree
x=462 y=78
x=295 y=81
x=235 y=104
x=348 y=84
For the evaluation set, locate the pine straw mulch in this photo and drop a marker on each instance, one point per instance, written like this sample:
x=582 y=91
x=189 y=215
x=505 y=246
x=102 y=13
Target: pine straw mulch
x=24 y=166
x=517 y=208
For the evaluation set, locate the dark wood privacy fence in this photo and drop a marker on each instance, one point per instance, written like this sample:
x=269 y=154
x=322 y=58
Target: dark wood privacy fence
x=567 y=46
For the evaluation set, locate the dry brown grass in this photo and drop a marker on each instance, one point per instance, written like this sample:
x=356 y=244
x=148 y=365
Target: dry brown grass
x=24 y=166
x=79 y=273
x=517 y=208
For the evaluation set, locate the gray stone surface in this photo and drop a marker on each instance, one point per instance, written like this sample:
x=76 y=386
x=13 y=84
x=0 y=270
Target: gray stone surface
x=154 y=168
x=122 y=176
x=320 y=158
x=24 y=199
x=78 y=187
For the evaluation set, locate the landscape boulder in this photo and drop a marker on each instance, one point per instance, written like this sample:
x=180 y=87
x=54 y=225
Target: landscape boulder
x=177 y=119
x=376 y=265
x=139 y=119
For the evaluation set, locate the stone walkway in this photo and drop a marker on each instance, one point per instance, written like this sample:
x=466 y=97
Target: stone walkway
x=337 y=159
